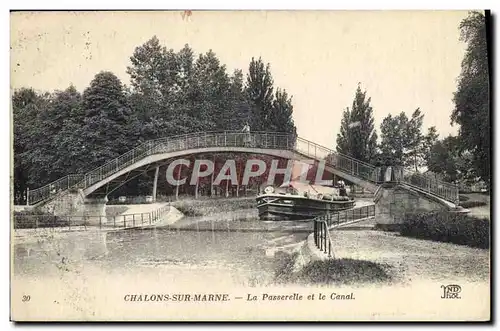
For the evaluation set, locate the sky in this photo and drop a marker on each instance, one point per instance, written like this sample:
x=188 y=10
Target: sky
x=403 y=59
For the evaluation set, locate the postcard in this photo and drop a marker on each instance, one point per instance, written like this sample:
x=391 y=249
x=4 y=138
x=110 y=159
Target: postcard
x=250 y=166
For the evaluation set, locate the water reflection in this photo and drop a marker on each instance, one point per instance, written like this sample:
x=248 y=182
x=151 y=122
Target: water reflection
x=240 y=246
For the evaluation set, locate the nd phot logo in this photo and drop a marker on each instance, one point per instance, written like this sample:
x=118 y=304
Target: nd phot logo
x=451 y=291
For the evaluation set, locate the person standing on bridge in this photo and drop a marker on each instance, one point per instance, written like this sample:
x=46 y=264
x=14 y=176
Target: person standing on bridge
x=246 y=138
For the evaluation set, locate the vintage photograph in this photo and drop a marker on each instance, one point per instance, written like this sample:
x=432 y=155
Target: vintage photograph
x=193 y=165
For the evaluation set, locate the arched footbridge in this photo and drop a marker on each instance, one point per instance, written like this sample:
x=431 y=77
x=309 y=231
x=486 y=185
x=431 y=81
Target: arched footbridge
x=152 y=153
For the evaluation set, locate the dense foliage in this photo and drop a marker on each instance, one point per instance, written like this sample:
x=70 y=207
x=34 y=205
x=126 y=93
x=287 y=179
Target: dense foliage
x=450 y=227
x=472 y=99
x=65 y=132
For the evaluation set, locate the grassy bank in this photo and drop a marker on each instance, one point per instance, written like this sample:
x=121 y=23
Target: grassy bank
x=455 y=228
x=338 y=271
x=207 y=206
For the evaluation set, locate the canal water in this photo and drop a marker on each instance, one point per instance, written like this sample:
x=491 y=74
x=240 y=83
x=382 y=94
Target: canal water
x=235 y=247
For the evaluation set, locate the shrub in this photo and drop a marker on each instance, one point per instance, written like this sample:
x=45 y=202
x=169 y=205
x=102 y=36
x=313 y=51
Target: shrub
x=335 y=271
x=456 y=228
x=463 y=198
x=189 y=210
x=343 y=271
x=36 y=219
x=473 y=203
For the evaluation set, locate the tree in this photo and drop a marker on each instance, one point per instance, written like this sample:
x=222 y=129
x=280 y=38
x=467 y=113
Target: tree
x=259 y=90
x=392 y=131
x=66 y=117
x=155 y=79
x=209 y=92
x=413 y=141
x=28 y=138
x=449 y=161
x=280 y=119
x=343 y=137
x=402 y=142
x=240 y=110
x=358 y=137
x=185 y=60
x=472 y=102
x=154 y=69
x=106 y=129
x=430 y=139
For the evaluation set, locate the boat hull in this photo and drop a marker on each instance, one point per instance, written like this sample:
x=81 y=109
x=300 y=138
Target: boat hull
x=276 y=207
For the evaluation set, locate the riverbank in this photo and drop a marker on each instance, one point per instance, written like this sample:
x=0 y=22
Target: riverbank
x=210 y=206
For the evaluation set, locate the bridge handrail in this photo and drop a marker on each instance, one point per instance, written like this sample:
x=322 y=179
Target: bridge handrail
x=323 y=223
x=150 y=147
x=332 y=151
x=53 y=188
x=280 y=140
x=445 y=190
x=117 y=221
x=322 y=238
x=340 y=161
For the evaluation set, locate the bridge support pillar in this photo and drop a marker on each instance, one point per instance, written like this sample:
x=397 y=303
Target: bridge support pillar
x=155 y=183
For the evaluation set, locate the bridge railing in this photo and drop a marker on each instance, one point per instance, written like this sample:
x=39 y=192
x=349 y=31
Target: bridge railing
x=74 y=222
x=340 y=161
x=445 y=190
x=53 y=188
x=323 y=224
x=163 y=145
x=272 y=140
x=190 y=141
x=322 y=238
